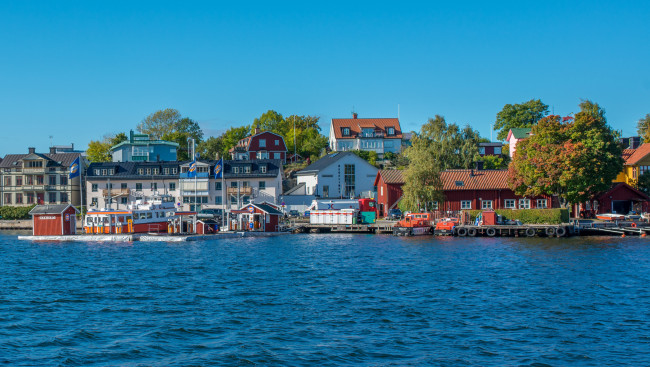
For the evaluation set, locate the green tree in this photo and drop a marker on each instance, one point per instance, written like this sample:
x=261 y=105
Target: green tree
x=370 y=156
x=211 y=147
x=453 y=147
x=182 y=130
x=160 y=123
x=423 y=185
x=643 y=128
x=524 y=114
x=495 y=162
x=270 y=121
x=118 y=139
x=644 y=183
x=231 y=137
x=573 y=158
x=99 y=151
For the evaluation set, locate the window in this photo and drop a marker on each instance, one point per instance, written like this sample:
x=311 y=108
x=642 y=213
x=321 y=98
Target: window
x=63 y=180
x=7 y=199
x=124 y=200
x=262 y=155
x=349 y=180
x=98 y=172
x=154 y=186
x=39 y=180
x=391 y=131
x=262 y=143
x=93 y=202
x=247 y=169
x=29 y=180
x=141 y=171
x=138 y=187
x=109 y=185
x=245 y=184
x=262 y=185
x=52 y=180
x=148 y=170
x=94 y=188
x=466 y=204
x=19 y=198
x=277 y=156
x=174 y=171
x=29 y=198
x=326 y=191
x=235 y=170
x=19 y=181
x=218 y=200
x=172 y=186
x=233 y=184
x=509 y=203
x=123 y=186
x=497 y=150
x=460 y=183
x=541 y=204
x=524 y=203
x=346 y=131
x=104 y=172
x=277 y=142
x=8 y=180
x=486 y=204
x=166 y=170
x=481 y=150
x=262 y=168
x=217 y=186
x=434 y=205
x=155 y=171
x=233 y=200
x=51 y=197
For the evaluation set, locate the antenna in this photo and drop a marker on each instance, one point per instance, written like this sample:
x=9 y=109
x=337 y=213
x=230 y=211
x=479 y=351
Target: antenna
x=398 y=111
x=491 y=129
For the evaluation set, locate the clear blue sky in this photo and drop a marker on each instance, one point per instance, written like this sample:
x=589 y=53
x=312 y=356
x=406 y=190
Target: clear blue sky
x=80 y=69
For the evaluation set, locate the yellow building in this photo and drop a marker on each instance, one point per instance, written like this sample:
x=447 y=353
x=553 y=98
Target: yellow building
x=637 y=162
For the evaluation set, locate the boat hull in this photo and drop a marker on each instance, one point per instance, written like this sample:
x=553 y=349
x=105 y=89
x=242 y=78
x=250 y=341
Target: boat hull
x=412 y=231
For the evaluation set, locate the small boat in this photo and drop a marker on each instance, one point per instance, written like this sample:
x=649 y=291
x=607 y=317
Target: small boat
x=446 y=226
x=610 y=217
x=414 y=224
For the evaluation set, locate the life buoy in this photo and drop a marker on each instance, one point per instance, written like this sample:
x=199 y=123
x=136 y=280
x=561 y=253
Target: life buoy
x=530 y=232
x=550 y=231
x=491 y=232
x=471 y=232
x=462 y=232
x=633 y=225
x=561 y=231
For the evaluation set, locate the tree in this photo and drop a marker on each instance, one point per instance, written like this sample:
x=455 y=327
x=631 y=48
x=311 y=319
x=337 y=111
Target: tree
x=495 y=162
x=159 y=123
x=453 y=147
x=524 y=114
x=422 y=183
x=574 y=158
x=270 y=121
x=99 y=151
x=211 y=147
x=643 y=128
x=119 y=138
x=644 y=183
x=182 y=130
x=232 y=136
x=368 y=155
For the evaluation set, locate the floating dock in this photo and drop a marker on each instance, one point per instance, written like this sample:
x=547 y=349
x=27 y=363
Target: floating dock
x=146 y=237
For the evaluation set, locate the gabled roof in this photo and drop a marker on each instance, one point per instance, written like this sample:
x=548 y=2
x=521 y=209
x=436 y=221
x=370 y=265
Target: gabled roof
x=243 y=145
x=627 y=153
x=617 y=186
x=390 y=176
x=639 y=153
x=327 y=161
x=467 y=179
x=355 y=126
x=265 y=208
x=295 y=188
x=58 y=159
x=51 y=209
x=519 y=132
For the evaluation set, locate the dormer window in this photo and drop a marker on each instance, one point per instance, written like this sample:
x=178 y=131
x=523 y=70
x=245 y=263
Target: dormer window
x=346 y=131
x=235 y=170
x=460 y=183
x=247 y=169
x=141 y=171
x=390 y=131
x=262 y=168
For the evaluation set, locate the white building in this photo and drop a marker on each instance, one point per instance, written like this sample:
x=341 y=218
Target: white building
x=380 y=135
x=338 y=175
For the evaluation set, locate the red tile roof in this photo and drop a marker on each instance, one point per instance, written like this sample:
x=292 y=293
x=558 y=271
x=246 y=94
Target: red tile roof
x=355 y=126
x=639 y=153
x=463 y=179
x=627 y=153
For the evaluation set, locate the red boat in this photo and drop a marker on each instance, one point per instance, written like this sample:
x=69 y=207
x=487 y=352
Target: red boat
x=414 y=224
x=610 y=217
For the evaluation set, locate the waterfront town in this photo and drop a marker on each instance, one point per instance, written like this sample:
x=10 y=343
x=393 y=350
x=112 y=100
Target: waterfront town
x=279 y=167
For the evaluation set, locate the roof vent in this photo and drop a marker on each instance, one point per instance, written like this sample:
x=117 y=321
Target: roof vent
x=460 y=183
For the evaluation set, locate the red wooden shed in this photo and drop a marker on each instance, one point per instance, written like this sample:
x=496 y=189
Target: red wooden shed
x=54 y=220
x=263 y=217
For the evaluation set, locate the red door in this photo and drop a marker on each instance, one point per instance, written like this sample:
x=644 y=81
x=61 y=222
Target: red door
x=40 y=198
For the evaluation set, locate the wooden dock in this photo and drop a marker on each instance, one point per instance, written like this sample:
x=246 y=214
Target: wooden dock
x=529 y=230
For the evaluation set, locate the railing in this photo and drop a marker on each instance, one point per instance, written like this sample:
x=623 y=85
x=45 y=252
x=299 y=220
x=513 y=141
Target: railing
x=198 y=175
x=241 y=190
x=116 y=192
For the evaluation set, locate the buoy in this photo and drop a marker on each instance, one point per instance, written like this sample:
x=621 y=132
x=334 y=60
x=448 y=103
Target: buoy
x=623 y=235
x=642 y=234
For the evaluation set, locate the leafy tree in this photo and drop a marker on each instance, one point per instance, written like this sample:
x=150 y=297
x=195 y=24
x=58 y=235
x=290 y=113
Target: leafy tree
x=159 y=123
x=574 y=158
x=643 y=128
x=370 y=156
x=182 y=130
x=211 y=147
x=453 y=147
x=644 y=183
x=423 y=185
x=119 y=138
x=270 y=121
x=231 y=137
x=495 y=162
x=524 y=114
x=99 y=151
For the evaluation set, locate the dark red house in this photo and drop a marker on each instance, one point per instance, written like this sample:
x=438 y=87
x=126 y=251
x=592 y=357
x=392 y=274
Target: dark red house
x=621 y=198
x=468 y=189
x=389 y=189
x=486 y=149
x=263 y=217
x=261 y=145
x=54 y=220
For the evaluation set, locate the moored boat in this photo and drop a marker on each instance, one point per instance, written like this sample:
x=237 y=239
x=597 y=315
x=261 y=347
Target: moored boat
x=610 y=217
x=414 y=224
x=147 y=215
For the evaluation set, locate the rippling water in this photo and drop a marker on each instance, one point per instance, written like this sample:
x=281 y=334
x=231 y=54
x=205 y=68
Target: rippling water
x=327 y=300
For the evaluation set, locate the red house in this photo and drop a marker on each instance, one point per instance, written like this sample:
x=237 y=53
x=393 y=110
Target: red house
x=54 y=220
x=621 y=198
x=389 y=189
x=261 y=145
x=262 y=217
x=468 y=189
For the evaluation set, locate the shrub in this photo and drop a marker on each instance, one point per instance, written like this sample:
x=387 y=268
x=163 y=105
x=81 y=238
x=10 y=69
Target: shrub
x=531 y=216
x=15 y=212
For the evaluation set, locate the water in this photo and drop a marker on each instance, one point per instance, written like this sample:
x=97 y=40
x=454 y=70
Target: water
x=327 y=300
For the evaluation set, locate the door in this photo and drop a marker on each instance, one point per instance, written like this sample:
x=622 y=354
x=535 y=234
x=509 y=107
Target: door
x=40 y=198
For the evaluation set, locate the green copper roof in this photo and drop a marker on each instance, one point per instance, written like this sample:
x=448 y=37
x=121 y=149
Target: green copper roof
x=521 y=132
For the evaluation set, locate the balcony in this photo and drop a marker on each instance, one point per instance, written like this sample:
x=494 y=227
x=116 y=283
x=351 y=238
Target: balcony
x=116 y=192
x=140 y=158
x=241 y=190
x=32 y=170
x=198 y=175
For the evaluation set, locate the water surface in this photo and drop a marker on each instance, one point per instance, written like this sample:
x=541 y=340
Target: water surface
x=327 y=300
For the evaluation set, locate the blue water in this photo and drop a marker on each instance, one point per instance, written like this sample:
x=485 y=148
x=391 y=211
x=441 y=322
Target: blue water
x=327 y=300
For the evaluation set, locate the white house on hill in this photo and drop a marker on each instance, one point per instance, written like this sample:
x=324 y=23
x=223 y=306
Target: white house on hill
x=338 y=175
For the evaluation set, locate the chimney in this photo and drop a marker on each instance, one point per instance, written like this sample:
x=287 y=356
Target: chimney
x=52 y=150
x=257 y=131
x=31 y=150
x=354 y=115
x=72 y=146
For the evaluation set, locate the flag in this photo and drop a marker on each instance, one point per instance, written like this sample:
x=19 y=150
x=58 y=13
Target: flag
x=75 y=169
x=191 y=171
x=218 y=169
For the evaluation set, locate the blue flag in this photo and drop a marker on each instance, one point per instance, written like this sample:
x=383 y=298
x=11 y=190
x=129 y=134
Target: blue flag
x=218 y=169
x=75 y=168
x=191 y=172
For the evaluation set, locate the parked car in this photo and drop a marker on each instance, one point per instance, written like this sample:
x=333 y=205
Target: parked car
x=394 y=214
x=293 y=214
x=209 y=213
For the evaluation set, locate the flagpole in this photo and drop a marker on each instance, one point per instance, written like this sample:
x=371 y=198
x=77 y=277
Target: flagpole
x=223 y=189
x=81 y=194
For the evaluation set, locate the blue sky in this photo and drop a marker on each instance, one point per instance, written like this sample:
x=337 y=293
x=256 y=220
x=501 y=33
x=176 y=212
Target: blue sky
x=79 y=70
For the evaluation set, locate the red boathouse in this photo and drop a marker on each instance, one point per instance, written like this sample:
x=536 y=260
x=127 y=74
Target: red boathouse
x=54 y=220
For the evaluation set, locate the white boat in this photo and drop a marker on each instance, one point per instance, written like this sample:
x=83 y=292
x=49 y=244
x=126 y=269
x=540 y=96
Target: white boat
x=610 y=217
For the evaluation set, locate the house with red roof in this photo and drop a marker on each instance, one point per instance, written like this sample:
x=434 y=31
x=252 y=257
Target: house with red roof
x=260 y=145
x=380 y=135
x=389 y=189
